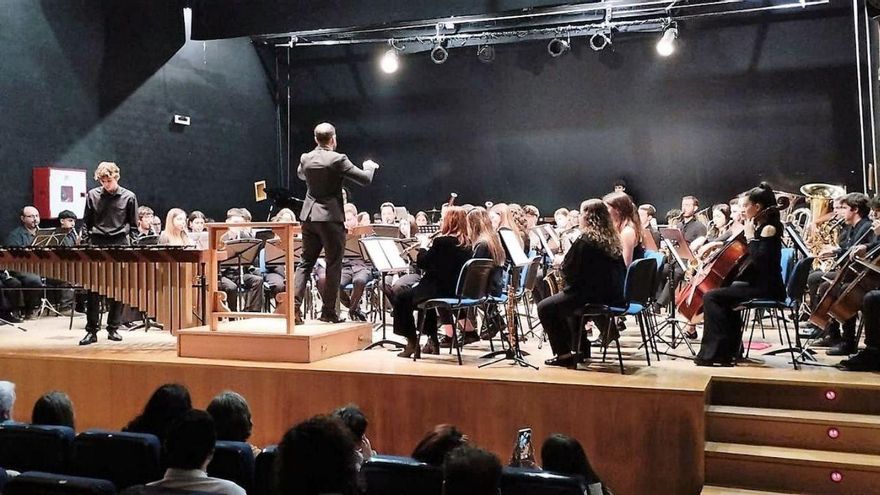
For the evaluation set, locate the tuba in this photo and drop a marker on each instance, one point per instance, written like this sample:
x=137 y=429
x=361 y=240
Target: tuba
x=819 y=197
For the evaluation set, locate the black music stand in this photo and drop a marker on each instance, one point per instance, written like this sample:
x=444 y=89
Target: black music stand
x=518 y=260
x=427 y=229
x=678 y=248
x=241 y=253
x=384 y=254
x=49 y=237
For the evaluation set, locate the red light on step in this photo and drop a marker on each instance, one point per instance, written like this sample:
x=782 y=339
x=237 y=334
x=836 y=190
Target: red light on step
x=836 y=476
x=830 y=394
x=833 y=433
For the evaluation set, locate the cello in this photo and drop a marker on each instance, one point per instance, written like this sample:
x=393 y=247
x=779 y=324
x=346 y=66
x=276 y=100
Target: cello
x=718 y=270
x=844 y=296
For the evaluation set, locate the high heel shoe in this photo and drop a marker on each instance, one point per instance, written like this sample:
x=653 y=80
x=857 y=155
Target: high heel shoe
x=412 y=347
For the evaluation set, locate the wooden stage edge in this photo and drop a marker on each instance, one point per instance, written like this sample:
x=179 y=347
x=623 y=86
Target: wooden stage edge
x=642 y=430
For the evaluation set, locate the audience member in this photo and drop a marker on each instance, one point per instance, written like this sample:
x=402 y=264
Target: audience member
x=232 y=417
x=317 y=457
x=432 y=449
x=356 y=422
x=564 y=455
x=53 y=408
x=7 y=401
x=168 y=403
x=188 y=449
x=469 y=470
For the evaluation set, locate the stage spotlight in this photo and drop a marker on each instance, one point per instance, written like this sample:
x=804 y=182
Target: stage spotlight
x=486 y=53
x=390 y=62
x=666 y=45
x=439 y=55
x=558 y=47
x=600 y=41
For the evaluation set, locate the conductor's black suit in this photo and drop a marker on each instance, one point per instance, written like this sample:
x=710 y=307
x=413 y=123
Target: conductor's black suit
x=322 y=218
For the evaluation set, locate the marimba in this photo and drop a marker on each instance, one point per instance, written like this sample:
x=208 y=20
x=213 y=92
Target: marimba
x=158 y=280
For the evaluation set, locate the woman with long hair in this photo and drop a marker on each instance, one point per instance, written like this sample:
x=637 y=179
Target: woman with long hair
x=196 y=221
x=175 y=229
x=440 y=263
x=506 y=220
x=167 y=404
x=564 y=455
x=762 y=279
x=719 y=231
x=487 y=244
x=593 y=270
x=626 y=221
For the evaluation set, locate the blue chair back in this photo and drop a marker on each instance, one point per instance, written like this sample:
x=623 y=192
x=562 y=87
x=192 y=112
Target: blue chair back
x=786 y=259
x=473 y=280
x=518 y=481
x=386 y=474
x=264 y=471
x=26 y=447
x=638 y=287
x=38 y=483
x=124 y=458
x=233 y=461
x=660 y=259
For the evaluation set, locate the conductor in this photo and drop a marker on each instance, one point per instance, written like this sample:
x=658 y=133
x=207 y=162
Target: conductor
x=322 y=215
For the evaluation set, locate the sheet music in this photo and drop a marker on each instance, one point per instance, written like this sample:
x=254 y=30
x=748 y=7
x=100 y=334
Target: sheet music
x=394 y=259
x=514 y=249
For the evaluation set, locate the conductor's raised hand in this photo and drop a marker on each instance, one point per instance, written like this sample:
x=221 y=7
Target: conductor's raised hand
x=370 y=165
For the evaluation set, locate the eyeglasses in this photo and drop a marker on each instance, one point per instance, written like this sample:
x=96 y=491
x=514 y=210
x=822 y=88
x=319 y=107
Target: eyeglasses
x=31 y=216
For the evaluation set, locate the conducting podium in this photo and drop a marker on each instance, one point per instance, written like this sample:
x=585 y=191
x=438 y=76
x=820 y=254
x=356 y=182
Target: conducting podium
x=262 y=336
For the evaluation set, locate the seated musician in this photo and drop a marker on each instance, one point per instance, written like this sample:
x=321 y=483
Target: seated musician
x=853 y=210
x=736 y=210
x=441 y=264
x=196 y=221
x=144 y=224
x=175 y=229
x=560 y=219
x=532 y=215
x=868 y=359
x=28 y=299
x=762 y=278
x=355 y=271
x=387 y=213
x=692 y=229
x=422 y=219
x=626 y=223
x=718 y=232
x=648 y=221
x=487 y=244
x=156 y=224
x=502 y=217
x=111 y=214
x=67 y=221
x=284 y=215
x=232 y=277
x=593 y=270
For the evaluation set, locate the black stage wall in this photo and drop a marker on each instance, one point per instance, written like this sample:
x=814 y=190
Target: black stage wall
x=83 y=81
x=746 y=99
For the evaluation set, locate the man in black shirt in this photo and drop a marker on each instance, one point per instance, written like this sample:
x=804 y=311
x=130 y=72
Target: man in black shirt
x=857 y=230
x=111 y=213
x=22 y=236
x=692 y=229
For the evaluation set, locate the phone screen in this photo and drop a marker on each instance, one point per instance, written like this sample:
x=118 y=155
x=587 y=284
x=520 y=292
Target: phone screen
x=523 y=453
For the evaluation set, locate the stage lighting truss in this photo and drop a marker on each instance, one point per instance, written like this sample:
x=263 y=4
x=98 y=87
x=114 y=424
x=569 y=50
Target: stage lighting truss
x=598 y=22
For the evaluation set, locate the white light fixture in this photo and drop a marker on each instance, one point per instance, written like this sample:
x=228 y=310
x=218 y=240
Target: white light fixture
x=557 y=47
x=439 y=54
x=666 y=45
x=390 y=62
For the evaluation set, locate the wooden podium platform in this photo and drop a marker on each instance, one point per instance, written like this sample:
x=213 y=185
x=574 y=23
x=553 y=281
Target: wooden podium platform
x=266 y=339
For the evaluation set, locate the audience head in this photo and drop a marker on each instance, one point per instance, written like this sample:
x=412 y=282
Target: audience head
x=53 y=408
x=455 y=224
x=189 y=443
x=30 y=217
x=596 y=225
x=325 y=136
x=107 y=174
x=353 y=419
x=166 y=404
x=469 y=470
x=564 y=455
x=315 y=457
x=232 y=416
x=432 y=449
x=7 y=400
x=196 y=221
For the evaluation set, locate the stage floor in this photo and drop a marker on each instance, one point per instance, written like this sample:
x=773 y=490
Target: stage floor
x=651 y=416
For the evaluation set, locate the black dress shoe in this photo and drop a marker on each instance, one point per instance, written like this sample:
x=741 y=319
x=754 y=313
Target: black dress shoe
x=11 y=318
x=564 y=361
x=827 y=341
x=865 y=360
x=432 y=346
x=356 y=315
x=713 y=362
x=470 y=338
x=90 y=338
x=331 y=319
x=113 y=335
x=843 y=348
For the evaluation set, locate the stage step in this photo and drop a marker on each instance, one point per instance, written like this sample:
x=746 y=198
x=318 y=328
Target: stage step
x=723 y=490
x=815 y=430
x=762 y=467
x=854 y=399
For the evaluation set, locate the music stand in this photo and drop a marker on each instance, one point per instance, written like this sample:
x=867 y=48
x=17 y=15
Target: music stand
x=677 y=245
x=147 y=240
x=796 y=240
x=427 y=229
x=241 y=253
x=384 y=254
x=49 y=237
x=517 y=261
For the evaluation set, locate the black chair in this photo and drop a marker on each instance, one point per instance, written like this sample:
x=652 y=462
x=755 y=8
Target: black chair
x=637 y=289
x=387 y=474
x=796 y=287
x=37 y=483
x=264 y=471
x=26 y=447
x=518 y=481
x=124 y=458
x=3 y=479
x=233 y=461
x=471 y=292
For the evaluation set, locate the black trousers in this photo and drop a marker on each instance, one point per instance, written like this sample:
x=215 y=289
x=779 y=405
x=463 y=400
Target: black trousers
x=722 y=324
x=28 y=299
x=871 y=316
x=406 y=294
x=561 y=322
x=93 y=301
x=253 y=291
x=329 y=236
x=672 y=275
x=355 y=272
x=9 y=296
